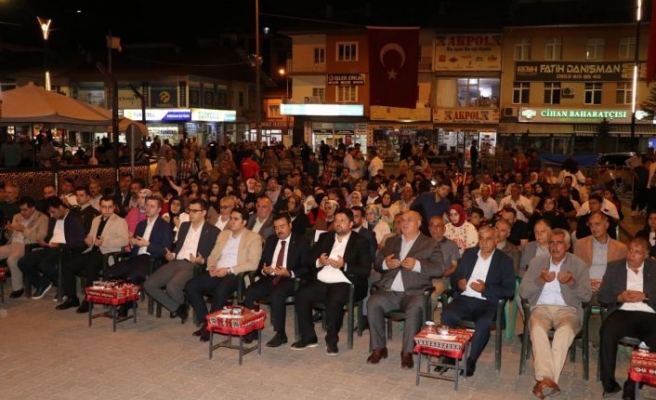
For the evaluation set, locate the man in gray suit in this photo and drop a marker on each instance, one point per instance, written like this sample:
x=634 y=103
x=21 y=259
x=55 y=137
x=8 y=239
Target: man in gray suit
x=262 y=221
x=555 y=286
x=407 y=264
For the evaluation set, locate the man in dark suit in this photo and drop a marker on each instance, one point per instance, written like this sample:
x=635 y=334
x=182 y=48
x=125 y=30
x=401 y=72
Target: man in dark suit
x=629 y=290
x=196 y=240
x=284 y=258
x=484 y=275
x=339 y=262
x=64 y=230
x=122 y=195
x=262 y=221
x=151 y=239
x=407 y=264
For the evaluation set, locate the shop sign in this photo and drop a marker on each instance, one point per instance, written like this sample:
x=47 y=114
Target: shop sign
x=345 y=79
x=381 y=113
x=127 y=99
x=209 y=115
x=92 y=96
x=334 y=110
x=164 y=97
x=576 y=71
x=468 y=52
x=466 y=115
x=361 y=129
x=582 y=115
x=160 y=114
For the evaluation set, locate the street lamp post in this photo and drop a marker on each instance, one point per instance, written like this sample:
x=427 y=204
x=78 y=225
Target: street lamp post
x=258 y=61
x=45 y=30
x=282 y=72
x=634 y=87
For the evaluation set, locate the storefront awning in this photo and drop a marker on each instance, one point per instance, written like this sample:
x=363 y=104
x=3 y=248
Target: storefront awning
x=468 y=128
x=514 y=128
x=615 y=129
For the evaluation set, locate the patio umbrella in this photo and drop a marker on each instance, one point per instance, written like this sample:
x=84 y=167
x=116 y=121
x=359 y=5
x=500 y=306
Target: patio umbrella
x=31 y=104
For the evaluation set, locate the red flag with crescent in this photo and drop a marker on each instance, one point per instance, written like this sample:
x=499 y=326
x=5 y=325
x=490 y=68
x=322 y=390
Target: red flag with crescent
x=651 y=56
x=393 y=66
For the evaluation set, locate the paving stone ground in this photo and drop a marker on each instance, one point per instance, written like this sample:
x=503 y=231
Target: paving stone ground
x=50 y=354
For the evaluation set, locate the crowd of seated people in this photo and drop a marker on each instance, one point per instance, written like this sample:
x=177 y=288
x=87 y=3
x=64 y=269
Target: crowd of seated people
x=211 y=216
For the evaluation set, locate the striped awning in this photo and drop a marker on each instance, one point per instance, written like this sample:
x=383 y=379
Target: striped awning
x=615 y=129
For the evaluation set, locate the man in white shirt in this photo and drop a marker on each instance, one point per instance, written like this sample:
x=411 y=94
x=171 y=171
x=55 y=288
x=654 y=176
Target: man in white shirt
x=555 y=286
x=517 y=201
x=629 y=290
x=339 y=262
x=375 y=164
x=237 y=250
x=27 y=227
x=226 y=205
x=195 y=242
x=483 y=277
x=487 y=203
x=349 y=162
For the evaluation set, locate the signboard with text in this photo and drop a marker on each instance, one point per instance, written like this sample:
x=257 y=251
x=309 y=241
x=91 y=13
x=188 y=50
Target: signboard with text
x=162 y=114
x=164 y=97
x=573 y=115
x=576 y=71
x=345 y=79
x=480 y=52
x=381 y=113
x=466 y=115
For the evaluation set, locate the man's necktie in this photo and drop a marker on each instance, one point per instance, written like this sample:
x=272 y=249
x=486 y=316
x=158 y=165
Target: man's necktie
x=279 y=261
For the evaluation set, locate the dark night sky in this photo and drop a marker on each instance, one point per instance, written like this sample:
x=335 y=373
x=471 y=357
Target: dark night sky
x=148 y=20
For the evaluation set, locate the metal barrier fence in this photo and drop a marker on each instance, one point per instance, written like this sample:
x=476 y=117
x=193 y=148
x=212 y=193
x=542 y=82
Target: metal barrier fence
x=31 y=181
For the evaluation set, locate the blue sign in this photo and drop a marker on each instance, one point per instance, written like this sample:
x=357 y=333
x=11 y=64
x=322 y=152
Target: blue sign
x=177 y=116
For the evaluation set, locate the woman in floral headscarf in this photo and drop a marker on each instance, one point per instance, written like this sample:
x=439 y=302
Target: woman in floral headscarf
x=459 y=230
x=375 y=223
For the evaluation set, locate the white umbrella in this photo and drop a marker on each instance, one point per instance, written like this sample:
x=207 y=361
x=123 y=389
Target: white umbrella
x=31 y=104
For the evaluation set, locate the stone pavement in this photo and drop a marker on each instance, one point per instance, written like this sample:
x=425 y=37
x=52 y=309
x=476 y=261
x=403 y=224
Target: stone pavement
x=50 y=354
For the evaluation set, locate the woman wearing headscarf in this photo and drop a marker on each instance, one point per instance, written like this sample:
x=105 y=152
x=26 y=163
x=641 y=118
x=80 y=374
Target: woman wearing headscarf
x=459 y=229
x=297 y=213
x=388 y=208
x=325 y=223
x=175 y=216
x=375 y=223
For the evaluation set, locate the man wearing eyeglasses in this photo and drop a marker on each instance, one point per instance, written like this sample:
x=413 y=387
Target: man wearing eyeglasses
x=195 y=242
x=555 y=286
x=226 y=206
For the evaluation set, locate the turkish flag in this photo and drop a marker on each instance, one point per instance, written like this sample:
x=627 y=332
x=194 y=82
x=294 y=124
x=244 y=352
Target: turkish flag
x=651 y=56
x=393 y=66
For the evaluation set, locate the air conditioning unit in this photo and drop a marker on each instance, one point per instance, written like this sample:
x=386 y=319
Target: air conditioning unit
x=568 y=93
x=510 y=112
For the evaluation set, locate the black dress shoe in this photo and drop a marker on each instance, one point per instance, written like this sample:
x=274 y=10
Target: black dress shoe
x=70 y=302
x=611 y=388
x=249 y=338
x=278 y=340
x=16 y=293
x=83 y=308
x=203 y=327
x=205 y=336
x=471 y=368
x=123 y=309
x=182 y=312
x=629 y=390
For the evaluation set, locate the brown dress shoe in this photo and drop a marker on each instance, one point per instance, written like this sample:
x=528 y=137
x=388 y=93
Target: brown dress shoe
x=549 y=387
x=537 y=390
x=376 y=355
x=406 y=360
